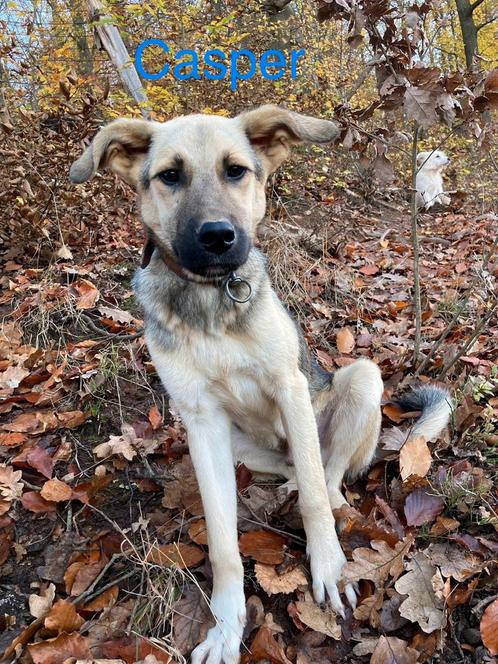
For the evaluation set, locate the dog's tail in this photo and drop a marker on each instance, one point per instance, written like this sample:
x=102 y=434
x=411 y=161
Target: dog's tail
x=436 y=407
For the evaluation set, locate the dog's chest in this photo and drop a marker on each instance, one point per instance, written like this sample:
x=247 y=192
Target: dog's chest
x=234 y=371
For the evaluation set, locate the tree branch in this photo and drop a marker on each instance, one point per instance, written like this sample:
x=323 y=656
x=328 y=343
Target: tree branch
x=475 y=5
x=416 y=251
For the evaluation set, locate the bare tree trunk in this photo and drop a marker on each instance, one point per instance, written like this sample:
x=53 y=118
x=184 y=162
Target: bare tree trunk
x=112 y=42
x=79 y=34
x=4 y=84
x=469 y=29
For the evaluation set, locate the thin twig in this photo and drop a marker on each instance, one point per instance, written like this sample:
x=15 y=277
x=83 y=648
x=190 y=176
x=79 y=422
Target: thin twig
x=111 y=584
x=86 y=593
x=109 y=335
x=416 y=251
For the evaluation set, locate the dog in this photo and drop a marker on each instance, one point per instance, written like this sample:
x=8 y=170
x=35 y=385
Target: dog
x=232 y=359
x=429 y=180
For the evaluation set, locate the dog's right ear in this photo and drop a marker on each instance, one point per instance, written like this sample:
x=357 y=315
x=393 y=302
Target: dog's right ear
x=121 y=146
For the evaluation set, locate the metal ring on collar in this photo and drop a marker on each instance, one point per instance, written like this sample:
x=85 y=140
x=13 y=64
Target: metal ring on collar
x=233 y=281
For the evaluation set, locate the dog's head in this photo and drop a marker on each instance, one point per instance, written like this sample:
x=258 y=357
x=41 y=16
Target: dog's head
x=432 y=161
x=201 y=178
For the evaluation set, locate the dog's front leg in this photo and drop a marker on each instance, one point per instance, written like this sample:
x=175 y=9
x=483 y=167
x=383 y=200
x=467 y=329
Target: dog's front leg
x=326 y=555
x=210 y=448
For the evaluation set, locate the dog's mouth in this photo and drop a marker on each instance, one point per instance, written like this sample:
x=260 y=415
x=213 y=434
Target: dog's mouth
x=212 y=262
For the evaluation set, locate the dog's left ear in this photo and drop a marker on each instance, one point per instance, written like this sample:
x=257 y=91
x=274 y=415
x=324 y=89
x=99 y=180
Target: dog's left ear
x=120 y=146
x=273 y=130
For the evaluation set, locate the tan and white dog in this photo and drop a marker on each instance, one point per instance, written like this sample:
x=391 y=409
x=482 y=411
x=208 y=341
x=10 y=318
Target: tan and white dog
x=231 y=358
x=430 y=189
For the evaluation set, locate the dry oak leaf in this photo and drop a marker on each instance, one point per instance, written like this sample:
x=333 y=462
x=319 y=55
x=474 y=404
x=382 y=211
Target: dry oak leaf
x=87 y=294
x=454 y=562
x=263 y=546
x=273 y=583
x=378 y=563
x=415 y=458
x=32 y=501
x=420 y=105
x=40 y=605
x=125 y=444
x=34 y=422
x=155 y=417
x=57 y=651
x=265 y=647
x=345 y=341
x=178 y=554
x=134 y=649
x=11 y=485
x=12 y=376
x=12 y=439
x=103 y=601
x=198 y=532
x=63 y=617
x=323 y=621
x=56 y=491
x=191 y=619
x=421 y=507
x=422 y=604
x=390 y=650
x=489 y=627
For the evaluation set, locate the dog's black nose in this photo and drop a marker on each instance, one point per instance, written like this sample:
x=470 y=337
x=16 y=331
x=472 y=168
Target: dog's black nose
x=217 y=237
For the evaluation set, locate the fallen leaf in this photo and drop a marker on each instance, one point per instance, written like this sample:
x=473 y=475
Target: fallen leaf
x=86 y=292
x=390 y=650
x=12 y=376
x=133 y=649
x=198 y=532
x=378 y=563
x=40 y=605
x=263 y=546
x=265 y=647
x=125 y=444
x=63 y=617
x=155 y=417
x=369 y=269
x=178 y=554
x=421 y=507
x=40 y=460
x=345 y=341
x=422 y=605
x=11 y=485
x=103 y=601
x=323 y=621
x=191 y=619
x=454 y=562
x=56 y=491
x=273 y=583
x=32 y=501
x=12 y=439
x=61 y=648
x=415 y=458
x=489 y=627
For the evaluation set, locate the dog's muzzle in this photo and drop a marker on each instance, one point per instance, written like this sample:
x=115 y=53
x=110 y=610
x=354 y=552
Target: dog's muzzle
x=211 y=248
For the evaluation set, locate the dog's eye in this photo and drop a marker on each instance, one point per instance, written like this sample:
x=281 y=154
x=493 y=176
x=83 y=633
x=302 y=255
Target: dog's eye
x=235 y=172
x=170 y=176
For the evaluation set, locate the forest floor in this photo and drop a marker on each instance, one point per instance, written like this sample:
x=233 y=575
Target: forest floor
x=102 y=538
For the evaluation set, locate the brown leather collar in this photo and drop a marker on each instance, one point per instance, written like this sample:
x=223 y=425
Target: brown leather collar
x=236 y=288
x=152 y=243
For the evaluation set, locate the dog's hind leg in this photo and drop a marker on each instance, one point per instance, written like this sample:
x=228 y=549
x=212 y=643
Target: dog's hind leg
x=349 y=425
x=257 y=458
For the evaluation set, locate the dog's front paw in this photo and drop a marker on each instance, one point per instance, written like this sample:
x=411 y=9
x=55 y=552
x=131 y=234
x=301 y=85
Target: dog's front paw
x=326 y=564
x=222 y=644
x=444 y=200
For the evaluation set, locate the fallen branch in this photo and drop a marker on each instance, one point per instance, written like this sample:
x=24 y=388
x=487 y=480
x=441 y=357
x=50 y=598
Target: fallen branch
x=416 y=251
